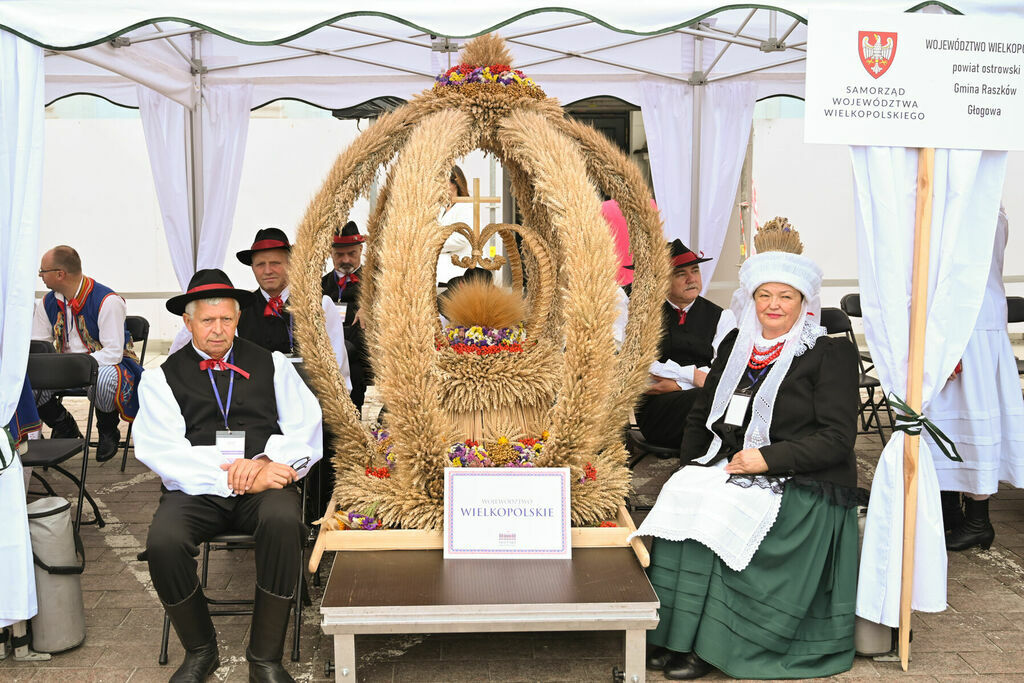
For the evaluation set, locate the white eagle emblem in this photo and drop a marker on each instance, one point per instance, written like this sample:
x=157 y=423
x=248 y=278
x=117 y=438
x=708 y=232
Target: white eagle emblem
x=876 y=54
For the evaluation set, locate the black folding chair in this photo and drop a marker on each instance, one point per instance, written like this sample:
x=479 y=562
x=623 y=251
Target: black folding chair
x=242 y=607
x=835 y=321
x=1015 y=314
x=60 y=372
x=850 y=305
x=138 y=328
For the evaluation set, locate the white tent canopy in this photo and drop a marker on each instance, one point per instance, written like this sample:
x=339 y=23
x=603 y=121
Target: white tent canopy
x=196 y=68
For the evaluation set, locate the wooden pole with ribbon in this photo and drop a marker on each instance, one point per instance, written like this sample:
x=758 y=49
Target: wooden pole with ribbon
x=915 y=382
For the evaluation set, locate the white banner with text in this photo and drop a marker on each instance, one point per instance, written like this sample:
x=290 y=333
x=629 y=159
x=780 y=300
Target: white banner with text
x=914 y=80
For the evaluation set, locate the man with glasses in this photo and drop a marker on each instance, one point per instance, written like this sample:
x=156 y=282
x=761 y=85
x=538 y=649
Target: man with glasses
x=80 y=315
x=229 y=427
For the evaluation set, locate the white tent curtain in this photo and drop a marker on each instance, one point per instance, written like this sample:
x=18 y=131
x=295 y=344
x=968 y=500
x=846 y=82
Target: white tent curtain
x=21 y=186
x=163 y=124
x=225 y=119
x=967 y=190
x=225 y=129
x=726 y=113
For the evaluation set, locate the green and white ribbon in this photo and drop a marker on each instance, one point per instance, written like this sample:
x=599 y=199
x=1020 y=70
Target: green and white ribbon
x=912 y=422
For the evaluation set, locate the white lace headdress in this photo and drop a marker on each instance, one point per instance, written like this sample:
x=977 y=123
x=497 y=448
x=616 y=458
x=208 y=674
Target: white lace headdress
x=778 y=260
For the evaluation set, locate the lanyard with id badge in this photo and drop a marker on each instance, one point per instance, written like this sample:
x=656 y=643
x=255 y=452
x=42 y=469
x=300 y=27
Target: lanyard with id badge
x=231 y=444
x=736 y=412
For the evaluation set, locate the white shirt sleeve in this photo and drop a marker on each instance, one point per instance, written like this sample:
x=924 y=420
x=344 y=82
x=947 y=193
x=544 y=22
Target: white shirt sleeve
x=726 y=324
x=111 y=324
x=336 y=333
x=160 y=443
x=621 y=318
x=42 y=330
x=298 y=416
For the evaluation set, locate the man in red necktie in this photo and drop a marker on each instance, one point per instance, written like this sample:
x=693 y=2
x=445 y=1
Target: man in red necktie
x=693 y=327
x=266 y=320
x=342 y=285
x=80 y=315
x=229 y=427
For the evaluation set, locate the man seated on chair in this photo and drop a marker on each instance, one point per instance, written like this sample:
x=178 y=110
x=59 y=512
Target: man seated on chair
x=342 y=286
x=693 y=328
x=266 y=320
x=229 y=427
x=79 y=315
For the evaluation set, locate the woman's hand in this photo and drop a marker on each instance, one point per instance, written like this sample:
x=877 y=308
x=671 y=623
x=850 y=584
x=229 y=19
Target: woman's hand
x=661 y=385
x=747 y=461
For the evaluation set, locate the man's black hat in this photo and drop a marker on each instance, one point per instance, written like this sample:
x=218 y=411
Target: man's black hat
x=212 y=283
x=348 y=236
x=267 y=238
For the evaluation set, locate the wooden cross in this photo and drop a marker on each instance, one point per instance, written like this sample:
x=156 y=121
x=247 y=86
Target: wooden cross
x=474 y=235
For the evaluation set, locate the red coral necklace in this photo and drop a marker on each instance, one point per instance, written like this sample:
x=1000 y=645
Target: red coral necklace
x=762 y=359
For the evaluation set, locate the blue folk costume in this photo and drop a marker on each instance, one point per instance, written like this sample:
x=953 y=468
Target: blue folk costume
x=86 y=309
x=26 y=417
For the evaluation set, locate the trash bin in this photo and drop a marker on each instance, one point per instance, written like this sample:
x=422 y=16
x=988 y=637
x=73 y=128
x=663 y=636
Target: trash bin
x=870 y=639
x=59 y=562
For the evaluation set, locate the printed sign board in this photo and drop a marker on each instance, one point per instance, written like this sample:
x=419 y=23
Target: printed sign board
x=507 y=512
x=914 y=80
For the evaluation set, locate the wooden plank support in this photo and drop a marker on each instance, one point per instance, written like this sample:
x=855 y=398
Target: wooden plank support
x=915 y=381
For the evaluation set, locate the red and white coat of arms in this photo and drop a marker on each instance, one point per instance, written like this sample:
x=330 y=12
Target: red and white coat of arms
x=877 y=50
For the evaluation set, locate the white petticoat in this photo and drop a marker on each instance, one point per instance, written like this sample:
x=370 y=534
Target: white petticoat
x=698 y=504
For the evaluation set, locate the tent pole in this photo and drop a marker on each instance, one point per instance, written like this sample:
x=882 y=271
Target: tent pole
x=915 y=380
x=194 y=167
x=697 y=82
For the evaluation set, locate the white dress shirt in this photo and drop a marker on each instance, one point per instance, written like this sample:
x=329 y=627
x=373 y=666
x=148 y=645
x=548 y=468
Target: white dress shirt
x=335 y=332
x=160 y=442
x=111 y=324
x=683 y=374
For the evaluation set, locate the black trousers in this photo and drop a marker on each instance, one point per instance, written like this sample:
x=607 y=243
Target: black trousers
x=358 y=371
x=182 y=522
x=661 y=417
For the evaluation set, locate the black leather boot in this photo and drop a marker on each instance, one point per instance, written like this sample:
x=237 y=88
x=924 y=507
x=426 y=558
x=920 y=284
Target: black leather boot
x=56 y=416
x=657 y=657
x=952 y=509
x=686 y=666
x=192 y=623
x=266 y=638
x=110 y=436
x=976 y=529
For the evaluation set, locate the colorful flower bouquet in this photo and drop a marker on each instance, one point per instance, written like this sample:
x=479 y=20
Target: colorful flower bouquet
x=500 y=453
x=485 y=340
x=502 y=74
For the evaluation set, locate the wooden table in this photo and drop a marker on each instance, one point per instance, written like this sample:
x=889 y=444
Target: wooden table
x=418 y=591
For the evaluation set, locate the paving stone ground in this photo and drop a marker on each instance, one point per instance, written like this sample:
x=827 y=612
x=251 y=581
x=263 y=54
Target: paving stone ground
x=981 y=635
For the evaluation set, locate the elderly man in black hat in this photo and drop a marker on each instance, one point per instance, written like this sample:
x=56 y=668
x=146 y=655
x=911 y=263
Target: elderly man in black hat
x=693 y=328
x=229 y=427
x=342 y=286
x=266 y=320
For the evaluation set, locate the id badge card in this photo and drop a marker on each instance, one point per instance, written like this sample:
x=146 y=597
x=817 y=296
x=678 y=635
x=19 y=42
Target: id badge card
x=231 y=445
x=737 y=409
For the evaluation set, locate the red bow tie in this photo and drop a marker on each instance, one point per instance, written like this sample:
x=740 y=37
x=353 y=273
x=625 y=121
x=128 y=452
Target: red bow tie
x=221 y=364
x=346 y=279
x=274 y=307
x=682 y=316
x=74 y=304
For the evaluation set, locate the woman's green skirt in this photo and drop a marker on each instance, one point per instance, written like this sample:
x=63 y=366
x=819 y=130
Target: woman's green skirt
x=788 y=614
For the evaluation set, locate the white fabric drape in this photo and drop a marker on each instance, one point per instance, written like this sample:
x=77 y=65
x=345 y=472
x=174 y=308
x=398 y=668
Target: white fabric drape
x=967 y=189
x=21 y=186
x=163 y=124
x=726 y=113
x=225 y=129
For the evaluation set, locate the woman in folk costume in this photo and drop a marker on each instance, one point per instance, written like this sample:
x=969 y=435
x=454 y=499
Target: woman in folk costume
x=981 y=409
x=755 y=541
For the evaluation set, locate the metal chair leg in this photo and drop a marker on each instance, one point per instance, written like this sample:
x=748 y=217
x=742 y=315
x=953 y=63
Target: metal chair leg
x=127 y=442
x=162 y=659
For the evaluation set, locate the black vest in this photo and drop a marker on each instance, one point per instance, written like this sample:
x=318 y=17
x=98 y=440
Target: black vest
x=270 y=332
x=253 y=403
x=691 y=343
x=350 y=295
